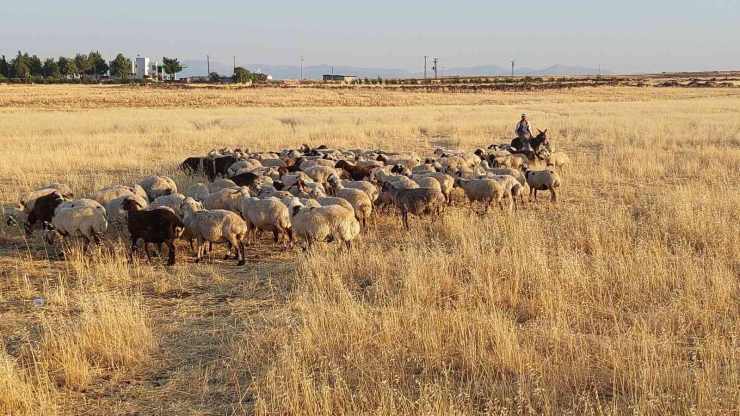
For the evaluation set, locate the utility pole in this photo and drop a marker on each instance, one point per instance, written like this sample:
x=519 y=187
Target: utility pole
x=301 y=67
x=434 y=68
x=512 y=68
x=234 y=63
x=208 y=60
x=442 y=72
x=425 y=66
x=332 y=71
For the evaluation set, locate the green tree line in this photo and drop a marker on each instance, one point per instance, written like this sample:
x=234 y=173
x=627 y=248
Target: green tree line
x=25 y=67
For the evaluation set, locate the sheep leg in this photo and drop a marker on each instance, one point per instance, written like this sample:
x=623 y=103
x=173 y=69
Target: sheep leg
x=275 y=235
x=535 y=194
x=531 y=189
x=236 y=242
x=406 y=219
x=201 y=246
x=171 y=257
x=133 y=248
x=228 y=250
x=553 y=196
x=146 y=250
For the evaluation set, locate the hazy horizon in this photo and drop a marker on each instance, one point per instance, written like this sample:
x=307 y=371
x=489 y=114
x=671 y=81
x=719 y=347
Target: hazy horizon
x=624 y=37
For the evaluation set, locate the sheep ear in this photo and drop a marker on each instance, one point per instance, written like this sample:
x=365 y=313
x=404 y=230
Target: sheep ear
x=137 y=203
x=545 y=131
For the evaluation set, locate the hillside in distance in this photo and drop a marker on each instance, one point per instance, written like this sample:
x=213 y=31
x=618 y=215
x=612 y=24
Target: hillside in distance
x=199 y=67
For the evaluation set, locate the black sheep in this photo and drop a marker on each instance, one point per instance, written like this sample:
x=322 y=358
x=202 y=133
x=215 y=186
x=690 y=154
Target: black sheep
x=156 y=226
x=43 y=210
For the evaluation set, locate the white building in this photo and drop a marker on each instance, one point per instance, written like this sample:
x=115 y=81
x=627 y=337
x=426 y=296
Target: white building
x=145 y=68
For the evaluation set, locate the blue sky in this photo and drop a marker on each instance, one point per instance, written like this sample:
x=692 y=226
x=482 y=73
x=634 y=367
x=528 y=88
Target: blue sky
x=625 y=36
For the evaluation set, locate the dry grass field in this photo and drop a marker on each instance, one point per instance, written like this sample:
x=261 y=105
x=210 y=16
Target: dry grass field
x=623 y=298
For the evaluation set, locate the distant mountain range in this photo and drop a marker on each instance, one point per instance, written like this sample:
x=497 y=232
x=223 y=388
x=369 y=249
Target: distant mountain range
x=200 y=67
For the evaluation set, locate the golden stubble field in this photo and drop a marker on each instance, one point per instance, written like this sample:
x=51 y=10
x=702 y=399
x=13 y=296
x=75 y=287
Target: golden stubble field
x=621 y=299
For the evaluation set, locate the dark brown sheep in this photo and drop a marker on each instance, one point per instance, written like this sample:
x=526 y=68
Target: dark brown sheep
x=157 y=226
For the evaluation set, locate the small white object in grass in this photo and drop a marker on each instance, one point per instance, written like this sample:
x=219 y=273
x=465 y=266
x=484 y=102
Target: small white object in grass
x=38 y=301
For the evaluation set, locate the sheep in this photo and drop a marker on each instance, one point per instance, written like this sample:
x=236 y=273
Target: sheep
x=487 y=191
x=421 y=169
x=267 y=214
x=329 y=223
x=512 y=188
x=249 y=164
x=316 y=162
x=216 y=226
x=515 y=173
x=221 y=184
x=82 y=202
x=556 y=159
x=370 y=189
x=173 y=201
x=227 y=199
x=446 y=183
x=27 y=200
x=428 y=183
x=218 y=165
x=370 y=163
x=110 y=193
x=416 y=201
x=511 y=161
x=540 y=180
x=86 y=222
x=333 y=200
x=63 y=189
x=43 y=210
x=274 y=163
x=198 y=191
x=192 y=165
x=290 y=179
x=320 y=173
x=117 y=216
x=245 y=179
x=293 y=201
x=153 y=226
x=156 y=186
x=356 y=172
x=360 y=201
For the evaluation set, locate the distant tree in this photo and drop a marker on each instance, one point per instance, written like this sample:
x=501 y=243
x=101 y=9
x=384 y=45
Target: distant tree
x=82 y=64
x=241 y=75
x=35 y=66
x=380 y=80
x=51 y=69
x=19 y=67
x=4 y=67
x=214 y=77
x=120 y=67
x=367 y=81
x=62 y=64
x=171 y=66
x=98 y=65
x=72 y=69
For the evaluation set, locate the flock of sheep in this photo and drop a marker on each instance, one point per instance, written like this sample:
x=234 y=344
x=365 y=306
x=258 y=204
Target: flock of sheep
x=306 y=195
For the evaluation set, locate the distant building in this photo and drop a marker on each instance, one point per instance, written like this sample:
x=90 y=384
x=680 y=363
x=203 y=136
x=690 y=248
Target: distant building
x=340 y=78
x=144 y=68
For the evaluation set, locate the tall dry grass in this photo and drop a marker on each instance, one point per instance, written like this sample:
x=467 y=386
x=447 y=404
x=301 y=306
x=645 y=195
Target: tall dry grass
x=621 y=299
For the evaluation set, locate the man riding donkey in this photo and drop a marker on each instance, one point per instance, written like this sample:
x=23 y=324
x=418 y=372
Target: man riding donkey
x=524 y=142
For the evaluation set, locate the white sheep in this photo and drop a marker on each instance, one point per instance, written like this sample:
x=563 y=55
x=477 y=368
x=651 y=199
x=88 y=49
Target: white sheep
x=105 y=195
x=541 y=180
x=173 y=201
x=86 y=222
x=446 y=182
x=267 y=214
x=557 y=159
x=156 y=186
x=220 y=184
x=370 y=189
x=216 y=226
x=227 y=199
x=117 y=216
x=333 y=200
x=360 y=201
x=487 y=191
x=323 y=223
x=82 y=202
x=198 y=191
x=428 y=183
x=320 y=173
